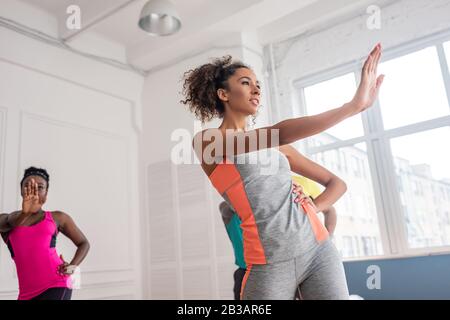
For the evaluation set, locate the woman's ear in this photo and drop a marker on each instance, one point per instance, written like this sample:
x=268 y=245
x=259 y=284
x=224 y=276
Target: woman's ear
x=222 y=94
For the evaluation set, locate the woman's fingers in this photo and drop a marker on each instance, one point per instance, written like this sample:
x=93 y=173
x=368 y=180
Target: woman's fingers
x=372 y=54
x=372 y=59
x=379 y=82
x=376 y=60
x=29 y=189
x=366 y=65
x=300 y=197
x=296 y=187
x=35 y=186
x=25 y=191
x=377 y=56
x=298 y=191
x=374 y=50
x=62 y=267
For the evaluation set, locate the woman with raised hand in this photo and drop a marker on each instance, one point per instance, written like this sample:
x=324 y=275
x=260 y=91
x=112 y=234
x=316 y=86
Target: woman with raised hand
x=30 y=235
x=284 y=244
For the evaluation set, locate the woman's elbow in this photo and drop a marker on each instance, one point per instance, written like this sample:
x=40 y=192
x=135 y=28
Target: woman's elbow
x=343 y=185
x=87 y=245
x=339 y=184
x=84 y=244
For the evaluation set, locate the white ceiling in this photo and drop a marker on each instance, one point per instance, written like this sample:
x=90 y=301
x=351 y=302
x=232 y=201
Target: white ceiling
x=204 y=23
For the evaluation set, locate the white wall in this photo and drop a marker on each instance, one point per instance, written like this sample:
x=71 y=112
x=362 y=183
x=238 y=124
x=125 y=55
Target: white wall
x=190 y=256
x=79 y=119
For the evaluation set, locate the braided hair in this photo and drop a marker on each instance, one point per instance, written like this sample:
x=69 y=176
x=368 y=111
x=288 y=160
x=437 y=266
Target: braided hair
x=33 y=171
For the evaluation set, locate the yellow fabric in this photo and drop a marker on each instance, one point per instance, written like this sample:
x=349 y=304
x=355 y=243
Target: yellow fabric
x=310 y=188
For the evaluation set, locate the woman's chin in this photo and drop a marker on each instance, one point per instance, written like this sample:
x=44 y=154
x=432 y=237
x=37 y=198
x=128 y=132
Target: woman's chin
x=253 y=111
x=250 y=110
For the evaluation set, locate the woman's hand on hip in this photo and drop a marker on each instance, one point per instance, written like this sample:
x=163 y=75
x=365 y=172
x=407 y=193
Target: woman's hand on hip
x=301 y=197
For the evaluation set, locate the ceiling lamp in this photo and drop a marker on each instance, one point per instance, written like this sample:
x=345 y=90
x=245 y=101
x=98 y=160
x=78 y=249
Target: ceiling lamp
x=159 y=18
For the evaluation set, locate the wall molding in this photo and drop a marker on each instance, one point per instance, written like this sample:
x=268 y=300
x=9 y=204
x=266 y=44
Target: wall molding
x=117 y=297
x=3 y=115
x=107 y=285
x=132 y=104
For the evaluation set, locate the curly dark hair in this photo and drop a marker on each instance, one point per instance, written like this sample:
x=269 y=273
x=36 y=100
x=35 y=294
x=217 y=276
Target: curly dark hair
x=33 y=171
x=201 y=85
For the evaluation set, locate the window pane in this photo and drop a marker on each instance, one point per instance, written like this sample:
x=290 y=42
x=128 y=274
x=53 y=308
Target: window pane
x=423 y=178
x=330 y=94
x=413 y=89
x=357 y=232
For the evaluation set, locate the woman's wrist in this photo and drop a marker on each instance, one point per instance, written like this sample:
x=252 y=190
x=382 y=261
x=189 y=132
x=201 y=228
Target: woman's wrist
x=351 y=108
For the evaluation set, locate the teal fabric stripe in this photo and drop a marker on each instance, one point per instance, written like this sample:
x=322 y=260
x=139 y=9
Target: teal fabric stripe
x=235 y=234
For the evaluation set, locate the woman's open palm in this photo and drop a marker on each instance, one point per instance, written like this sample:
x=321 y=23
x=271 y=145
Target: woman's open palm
x=370 y=83
x=30 y=202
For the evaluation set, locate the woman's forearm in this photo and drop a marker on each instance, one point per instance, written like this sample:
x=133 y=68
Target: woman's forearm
x=330 y=219
x=80 y=254
x=295 y=129
x=333 y=191
x=12 y=220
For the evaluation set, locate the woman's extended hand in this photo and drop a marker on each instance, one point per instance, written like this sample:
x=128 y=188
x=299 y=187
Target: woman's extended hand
x=30 y=202
x=370 y=83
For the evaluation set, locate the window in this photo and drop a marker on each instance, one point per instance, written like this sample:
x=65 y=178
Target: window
x=347 y=248
x=339 y=91
x=423 y=187
x=358 y=246
x=399 y=181
x=404 y=144
x=356 y=208
x=344 y=162
x=355 y=167
x=407 y=98
x=367 y=246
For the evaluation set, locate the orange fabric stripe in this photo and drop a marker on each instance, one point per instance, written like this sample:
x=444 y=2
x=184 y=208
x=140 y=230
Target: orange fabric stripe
x=224 y=175
x=319 y=230
x=253 y=248
x=227 y=179
x=244 y=281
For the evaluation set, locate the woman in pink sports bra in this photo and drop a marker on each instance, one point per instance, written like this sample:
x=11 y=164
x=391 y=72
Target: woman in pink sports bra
x=30 y=235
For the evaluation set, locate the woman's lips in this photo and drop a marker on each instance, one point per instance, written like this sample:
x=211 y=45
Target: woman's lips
x=255 y=102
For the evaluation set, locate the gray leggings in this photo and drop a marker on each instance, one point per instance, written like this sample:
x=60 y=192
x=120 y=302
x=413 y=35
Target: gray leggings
x=318 y=273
